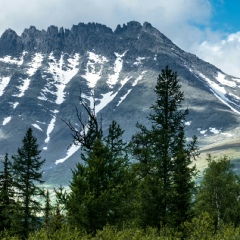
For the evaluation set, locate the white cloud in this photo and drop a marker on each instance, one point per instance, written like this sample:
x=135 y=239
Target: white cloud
x=183 y=21
x=223 y=53
x=160 y=13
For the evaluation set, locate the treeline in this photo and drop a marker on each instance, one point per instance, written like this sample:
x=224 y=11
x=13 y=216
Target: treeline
x=144 y=189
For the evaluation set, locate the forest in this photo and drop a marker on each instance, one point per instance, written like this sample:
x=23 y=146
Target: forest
x=148 y=188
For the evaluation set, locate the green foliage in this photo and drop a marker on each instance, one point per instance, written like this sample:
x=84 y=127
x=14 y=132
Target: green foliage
x=166 y=178
x=100 y=189
x=65 y=233
x=47 y=209
x=26 y=172
x=198 y=229
x=219 y=192
x=201 y=227
x=7 y=202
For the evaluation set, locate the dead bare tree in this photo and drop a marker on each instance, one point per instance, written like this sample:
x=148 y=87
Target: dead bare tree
x=89 y=129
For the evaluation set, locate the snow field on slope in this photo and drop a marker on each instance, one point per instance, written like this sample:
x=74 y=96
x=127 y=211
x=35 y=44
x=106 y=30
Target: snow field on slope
x=35 y=64
x=92 y=75
x=23 y=87
x=113 y=79
x=6 y=120
x=219 y=91
x=3 y=84
x=129 y=90
x=74 y=148
x=60 y=76
x=221 y=78
x=15 y=61
x=50 y=128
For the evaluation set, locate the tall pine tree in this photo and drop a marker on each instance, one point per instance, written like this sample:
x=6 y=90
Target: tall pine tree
x=99 y=193
x=27 y=174
x=7 y=202
x=164 y=158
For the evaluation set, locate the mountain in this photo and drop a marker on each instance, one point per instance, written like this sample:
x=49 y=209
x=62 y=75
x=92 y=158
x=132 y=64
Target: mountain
x=43 y=73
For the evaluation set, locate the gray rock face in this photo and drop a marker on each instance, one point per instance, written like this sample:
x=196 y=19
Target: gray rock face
x=43 y=73
x=81 y=37
x=10 y=43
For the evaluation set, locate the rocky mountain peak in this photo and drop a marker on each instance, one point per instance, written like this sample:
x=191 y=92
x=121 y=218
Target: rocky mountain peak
x=43 y=72
x=133 y=27
x=10 y=43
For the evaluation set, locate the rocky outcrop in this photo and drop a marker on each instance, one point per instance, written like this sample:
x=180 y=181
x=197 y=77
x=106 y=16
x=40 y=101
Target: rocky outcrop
x=10 y=43
x=80 y=38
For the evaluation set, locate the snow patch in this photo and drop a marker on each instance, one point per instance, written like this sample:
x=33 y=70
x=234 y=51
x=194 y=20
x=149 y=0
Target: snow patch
x=42 y=97
x=123 y=97
x=92 y=75
x=106 y=98
x=221 y=78
x=214 y=130
x=203 y=131
x=6 y=120
x=91 y=99
x=51 y=127
x=138 y=79
x=134 y=84
x=24 y=87
x=41 y=122
x=74 y=148
x=9 y=60
x=236 y=79
x=234 y=96
x=188 y=123
x=46 y=90
x=14 y=105
x=219 y=92
x=139 y=60
x=3 y=84
x=216 y=88
x=61 y=76
x=112 y=79
x=35 y=64
x=36 y=126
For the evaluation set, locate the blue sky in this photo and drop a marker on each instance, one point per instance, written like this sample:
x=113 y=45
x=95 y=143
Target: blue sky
x=225 y=16
x=208 y=28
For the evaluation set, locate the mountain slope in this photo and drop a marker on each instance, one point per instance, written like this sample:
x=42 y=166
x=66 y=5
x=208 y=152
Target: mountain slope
x=43 y=73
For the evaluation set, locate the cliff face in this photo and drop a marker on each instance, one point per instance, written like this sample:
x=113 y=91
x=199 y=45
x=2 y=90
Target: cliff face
x=80 y=38
x=43 y=73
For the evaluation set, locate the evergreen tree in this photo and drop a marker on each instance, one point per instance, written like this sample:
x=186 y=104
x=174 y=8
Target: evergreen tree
x=99 y=193
x=47 y=209
x=7 y=202
x=164 y=158
x=120 y=177
x=219 y=192
x=26 y=166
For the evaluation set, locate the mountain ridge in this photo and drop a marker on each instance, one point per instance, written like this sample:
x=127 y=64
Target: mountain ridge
x=43 y=73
